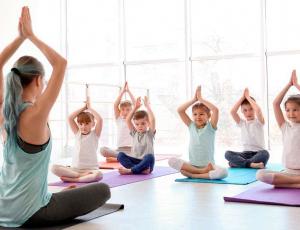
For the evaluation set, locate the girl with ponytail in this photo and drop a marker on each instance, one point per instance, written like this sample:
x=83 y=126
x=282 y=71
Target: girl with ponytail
x=24 y=196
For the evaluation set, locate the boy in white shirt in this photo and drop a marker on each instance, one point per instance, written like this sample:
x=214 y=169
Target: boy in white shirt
x=254 y=154
x=124 y=139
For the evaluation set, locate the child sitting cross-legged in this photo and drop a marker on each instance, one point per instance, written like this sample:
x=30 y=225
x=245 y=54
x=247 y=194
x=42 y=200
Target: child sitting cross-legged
x=84 y=162
x=254 y=154
x=202 y=131
x=142 y=128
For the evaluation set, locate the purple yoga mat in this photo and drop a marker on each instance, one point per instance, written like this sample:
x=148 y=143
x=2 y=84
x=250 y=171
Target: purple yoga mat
x=267 y=194
x=114 y=179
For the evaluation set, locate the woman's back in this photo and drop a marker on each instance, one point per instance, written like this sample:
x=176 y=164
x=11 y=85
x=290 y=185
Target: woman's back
x=23 y=178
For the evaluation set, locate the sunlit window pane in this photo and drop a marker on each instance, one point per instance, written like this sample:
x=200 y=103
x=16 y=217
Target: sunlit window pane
x=154 y=29
x=167 y=86
x=283 y=21
x=225 y=27
x=93 y=31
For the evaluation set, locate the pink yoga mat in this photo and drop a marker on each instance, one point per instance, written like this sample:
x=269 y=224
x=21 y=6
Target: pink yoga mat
x=114 y=179
x=267 y=194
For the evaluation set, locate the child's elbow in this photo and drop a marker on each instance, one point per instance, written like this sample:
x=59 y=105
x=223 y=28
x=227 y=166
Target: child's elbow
x=70 y=119
x=215 y=110
x=275 y=103
x=63 y=62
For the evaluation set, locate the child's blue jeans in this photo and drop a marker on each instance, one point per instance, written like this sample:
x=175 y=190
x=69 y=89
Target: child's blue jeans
x=137 y=166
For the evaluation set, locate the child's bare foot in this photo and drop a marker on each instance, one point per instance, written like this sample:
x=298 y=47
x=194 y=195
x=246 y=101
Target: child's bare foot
x=232 y=165
x=70 y=187
x=259 y=165
x=84 y=174
x=111 y=159
x=209 y=167
x=146 y=171
x=187 y=174
x=125 y=171
x=69 y=179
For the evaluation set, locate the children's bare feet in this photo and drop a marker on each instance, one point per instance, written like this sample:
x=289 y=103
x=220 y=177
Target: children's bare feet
x=125 y=171
x=69 y=179
x=232 y=165
x=259 y=165
x=146 y=171
x=111 y=159
x=209 y=167
x=187 y=174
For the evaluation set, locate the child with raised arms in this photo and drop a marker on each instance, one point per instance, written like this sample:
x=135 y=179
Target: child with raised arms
x=124 y=139
x=84 y=161
x=202 y=129
x=254 y=154
x=290 y=129
x=141 y=124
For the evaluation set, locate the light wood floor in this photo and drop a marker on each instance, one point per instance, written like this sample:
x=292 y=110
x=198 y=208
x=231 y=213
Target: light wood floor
x=164 y=204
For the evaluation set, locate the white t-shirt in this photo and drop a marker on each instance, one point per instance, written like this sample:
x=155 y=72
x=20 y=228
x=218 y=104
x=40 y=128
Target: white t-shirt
x=252 y=133
x=123 y=133
x=291 y=145
x=85 y=155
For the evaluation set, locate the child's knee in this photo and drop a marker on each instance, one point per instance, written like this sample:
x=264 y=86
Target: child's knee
x=175 y=163
x=149 y=157
x=98 y=176
x=218 y=173
x=103 y=151
x=121 y=155
x=55 y=169
x=266 y=154
x=228 y=154
x=265 y=176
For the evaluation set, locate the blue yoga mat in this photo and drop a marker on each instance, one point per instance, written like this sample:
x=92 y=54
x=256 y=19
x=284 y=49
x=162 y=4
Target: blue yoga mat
x=239 y=176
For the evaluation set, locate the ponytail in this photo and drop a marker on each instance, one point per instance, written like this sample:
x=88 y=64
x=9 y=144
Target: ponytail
x=12 y=103
x=25 y=70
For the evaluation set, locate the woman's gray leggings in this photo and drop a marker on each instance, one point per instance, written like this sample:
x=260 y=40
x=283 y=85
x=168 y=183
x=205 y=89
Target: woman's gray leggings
x=70 y=204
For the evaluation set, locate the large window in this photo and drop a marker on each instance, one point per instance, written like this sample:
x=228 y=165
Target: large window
x=154 y=29
x=164 y=49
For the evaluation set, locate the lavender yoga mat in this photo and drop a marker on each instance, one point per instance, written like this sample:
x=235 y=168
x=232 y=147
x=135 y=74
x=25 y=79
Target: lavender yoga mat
x=267 y=194
x=114 y=179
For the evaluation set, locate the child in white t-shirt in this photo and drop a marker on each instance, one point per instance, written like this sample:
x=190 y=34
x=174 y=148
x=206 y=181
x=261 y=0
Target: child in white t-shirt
x=84 y=162
x=290 y=129
x=254 y=154
x=124 y=139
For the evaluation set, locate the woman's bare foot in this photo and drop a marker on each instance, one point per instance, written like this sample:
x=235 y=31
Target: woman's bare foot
x=259 y=165
x=70 y=187
x=146 y=171
x=125 y=171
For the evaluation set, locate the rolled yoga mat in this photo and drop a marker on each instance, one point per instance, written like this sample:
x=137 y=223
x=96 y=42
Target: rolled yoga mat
x=114 y=179
x=267 y=194
x=101 y=211
x=238 y=176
